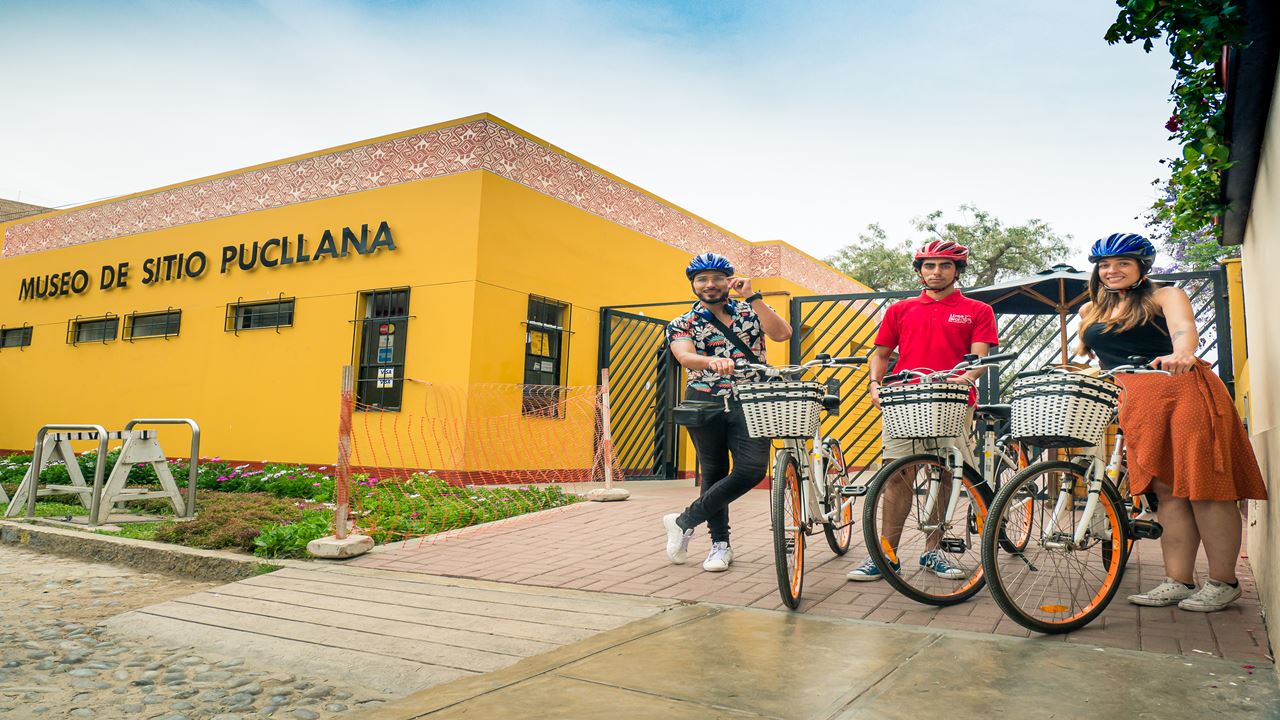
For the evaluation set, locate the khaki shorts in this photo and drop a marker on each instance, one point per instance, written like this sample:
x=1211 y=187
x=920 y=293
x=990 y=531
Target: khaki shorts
x=894 y=449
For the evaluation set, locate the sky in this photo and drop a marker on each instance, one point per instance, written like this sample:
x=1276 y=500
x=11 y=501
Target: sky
x=800 y=121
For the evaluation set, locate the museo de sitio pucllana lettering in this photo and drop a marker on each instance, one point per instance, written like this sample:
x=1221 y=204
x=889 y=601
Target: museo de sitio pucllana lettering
x=272 y=254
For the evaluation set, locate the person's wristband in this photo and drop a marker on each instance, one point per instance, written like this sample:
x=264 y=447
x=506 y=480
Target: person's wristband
x=754 y=297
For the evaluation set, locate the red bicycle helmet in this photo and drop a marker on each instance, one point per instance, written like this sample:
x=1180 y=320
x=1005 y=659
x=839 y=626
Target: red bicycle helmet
x=942 y=250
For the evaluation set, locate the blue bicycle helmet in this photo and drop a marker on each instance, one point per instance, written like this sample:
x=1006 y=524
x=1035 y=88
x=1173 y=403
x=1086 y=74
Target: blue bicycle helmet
x=1124 y=245
x=708 y=261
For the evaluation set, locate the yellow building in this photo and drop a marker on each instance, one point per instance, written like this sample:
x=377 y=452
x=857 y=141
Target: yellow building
x=465 y=252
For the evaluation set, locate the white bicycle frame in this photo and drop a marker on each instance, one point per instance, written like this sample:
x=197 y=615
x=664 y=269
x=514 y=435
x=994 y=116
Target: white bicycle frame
x=954 y=458
x=813 y=463
x=1097 y=473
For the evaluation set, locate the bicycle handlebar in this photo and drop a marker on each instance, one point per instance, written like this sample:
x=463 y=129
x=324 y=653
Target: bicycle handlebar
x=970 y=362
x=1138 y=365
x=740 y=366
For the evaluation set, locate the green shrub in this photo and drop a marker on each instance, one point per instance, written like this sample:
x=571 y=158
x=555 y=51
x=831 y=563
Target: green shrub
x=229 y=520
x=290 y=540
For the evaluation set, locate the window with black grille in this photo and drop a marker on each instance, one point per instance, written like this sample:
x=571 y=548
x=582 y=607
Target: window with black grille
x=382 y=331
x=15 y=337
x=89 y=330
x=272 y=314
x=151 y=325
x=545 y=340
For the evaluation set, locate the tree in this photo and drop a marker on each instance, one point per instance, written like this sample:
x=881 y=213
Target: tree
x=1196 y=33
x=996 y=252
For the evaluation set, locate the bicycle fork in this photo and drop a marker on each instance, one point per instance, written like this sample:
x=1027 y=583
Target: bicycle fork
x=1096 y=472
x=955 y=464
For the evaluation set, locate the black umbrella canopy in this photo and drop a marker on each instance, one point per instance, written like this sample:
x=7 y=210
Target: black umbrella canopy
x=1059 y=290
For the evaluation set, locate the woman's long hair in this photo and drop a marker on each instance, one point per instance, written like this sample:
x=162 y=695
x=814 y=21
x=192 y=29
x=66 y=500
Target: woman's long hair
x=1117 y=311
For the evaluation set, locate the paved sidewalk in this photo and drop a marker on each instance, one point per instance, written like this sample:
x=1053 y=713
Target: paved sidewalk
x=617 y=547
x=385 y=632
x=706 y=661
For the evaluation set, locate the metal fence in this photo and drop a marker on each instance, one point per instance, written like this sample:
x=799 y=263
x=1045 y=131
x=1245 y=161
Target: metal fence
x=645 y=380
x=846 y=325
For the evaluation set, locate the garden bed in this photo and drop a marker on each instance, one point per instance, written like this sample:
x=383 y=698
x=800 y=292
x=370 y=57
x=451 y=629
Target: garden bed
x=273 y=512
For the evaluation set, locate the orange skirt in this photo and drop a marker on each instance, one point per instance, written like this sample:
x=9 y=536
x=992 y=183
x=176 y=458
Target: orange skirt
x=1184 y=431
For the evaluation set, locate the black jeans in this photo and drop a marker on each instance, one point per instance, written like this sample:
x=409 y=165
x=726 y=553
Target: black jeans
x=715 y=442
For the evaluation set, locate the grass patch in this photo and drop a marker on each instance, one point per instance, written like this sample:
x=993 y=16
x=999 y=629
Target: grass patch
x=50 y=509
x=137 y=531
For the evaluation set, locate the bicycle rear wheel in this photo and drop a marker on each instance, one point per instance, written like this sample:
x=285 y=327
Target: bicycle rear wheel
x=839 y=530
x=787 y=514
x=1056 y=585
x=938 y=559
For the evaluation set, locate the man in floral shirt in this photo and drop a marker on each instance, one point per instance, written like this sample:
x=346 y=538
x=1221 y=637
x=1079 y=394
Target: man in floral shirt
x=700 y=345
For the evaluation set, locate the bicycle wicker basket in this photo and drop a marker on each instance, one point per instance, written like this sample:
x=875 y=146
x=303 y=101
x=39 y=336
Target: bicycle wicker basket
x=781 y=409
x=1058 y=409
x=924 y=410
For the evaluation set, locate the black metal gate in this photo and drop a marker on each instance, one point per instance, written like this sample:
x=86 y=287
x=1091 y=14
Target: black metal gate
x=643 y=386
x=847 y=325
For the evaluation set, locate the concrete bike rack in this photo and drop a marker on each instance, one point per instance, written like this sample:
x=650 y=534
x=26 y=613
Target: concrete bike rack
x=53 y=442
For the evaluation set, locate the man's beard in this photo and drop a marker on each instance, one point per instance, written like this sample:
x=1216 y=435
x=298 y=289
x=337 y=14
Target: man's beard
x=722 y=298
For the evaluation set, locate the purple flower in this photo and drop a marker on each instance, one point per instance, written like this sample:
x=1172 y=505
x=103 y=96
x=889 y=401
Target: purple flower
x=415 y=515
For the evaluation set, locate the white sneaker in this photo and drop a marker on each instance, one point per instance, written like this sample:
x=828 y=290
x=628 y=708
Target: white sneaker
x=677 y=539
x=1169 y=592
x=1211 y=597
x=719 y=558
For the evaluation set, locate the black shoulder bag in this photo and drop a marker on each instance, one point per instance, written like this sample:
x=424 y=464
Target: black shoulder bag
x=696 y=413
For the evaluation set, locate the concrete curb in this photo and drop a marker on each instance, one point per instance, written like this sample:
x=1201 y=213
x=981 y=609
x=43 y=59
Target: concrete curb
x=140 y=554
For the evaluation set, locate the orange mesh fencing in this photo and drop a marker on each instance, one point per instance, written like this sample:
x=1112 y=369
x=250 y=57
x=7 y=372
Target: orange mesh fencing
x=473 y=456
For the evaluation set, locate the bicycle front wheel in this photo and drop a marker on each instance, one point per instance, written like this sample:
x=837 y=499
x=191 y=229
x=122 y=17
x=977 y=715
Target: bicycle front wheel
x=1055 y=584
x=1016 y=532
x=929 y=558
x=788 y=528
x=839 y=529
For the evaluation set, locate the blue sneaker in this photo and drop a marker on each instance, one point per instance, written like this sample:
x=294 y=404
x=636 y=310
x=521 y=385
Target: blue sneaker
x=868 y=571
x=938 y=565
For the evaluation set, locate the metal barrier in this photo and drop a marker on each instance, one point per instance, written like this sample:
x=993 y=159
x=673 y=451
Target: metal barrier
x=32 y=482
x=102 y=499
x=191 y=462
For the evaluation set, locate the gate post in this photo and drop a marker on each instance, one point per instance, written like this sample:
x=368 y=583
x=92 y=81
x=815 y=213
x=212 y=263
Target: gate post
x=1222 y=324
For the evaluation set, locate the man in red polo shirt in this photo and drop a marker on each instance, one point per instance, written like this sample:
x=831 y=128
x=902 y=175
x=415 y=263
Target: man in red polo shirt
x=931 y=332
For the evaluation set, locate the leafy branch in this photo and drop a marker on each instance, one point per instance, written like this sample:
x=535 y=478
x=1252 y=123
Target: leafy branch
x=1197 y=33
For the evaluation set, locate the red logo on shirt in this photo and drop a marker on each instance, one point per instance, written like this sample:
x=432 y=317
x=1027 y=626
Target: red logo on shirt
x=960 y=319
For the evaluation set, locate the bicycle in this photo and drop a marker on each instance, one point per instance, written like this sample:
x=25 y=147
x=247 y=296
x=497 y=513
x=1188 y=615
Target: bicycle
x=806 y=494
x=1070 y=572
x=905 y=513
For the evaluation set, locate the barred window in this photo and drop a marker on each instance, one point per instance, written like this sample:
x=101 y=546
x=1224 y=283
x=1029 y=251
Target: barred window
x=145 y=325
x=15 y=337
x=95 y=330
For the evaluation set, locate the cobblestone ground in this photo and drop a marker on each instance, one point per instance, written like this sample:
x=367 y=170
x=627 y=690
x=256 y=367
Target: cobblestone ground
x=55 y=662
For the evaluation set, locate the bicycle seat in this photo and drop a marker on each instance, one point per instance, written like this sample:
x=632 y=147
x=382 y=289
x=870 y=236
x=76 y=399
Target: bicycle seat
x=998 y=412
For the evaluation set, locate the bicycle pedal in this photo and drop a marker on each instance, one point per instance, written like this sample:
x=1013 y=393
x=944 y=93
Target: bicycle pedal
x=853 y=491
x=1146 y=529
x=954 y=546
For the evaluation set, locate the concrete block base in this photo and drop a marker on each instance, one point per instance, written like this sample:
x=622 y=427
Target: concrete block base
x=335 y=549
x=608 y=495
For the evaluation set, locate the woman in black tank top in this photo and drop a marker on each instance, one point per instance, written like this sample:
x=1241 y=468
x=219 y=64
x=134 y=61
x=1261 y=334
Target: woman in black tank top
x=1185 y=441
x=1114 y=347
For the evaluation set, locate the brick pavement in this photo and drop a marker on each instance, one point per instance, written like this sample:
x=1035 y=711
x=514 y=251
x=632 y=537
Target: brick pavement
x=618 y=547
